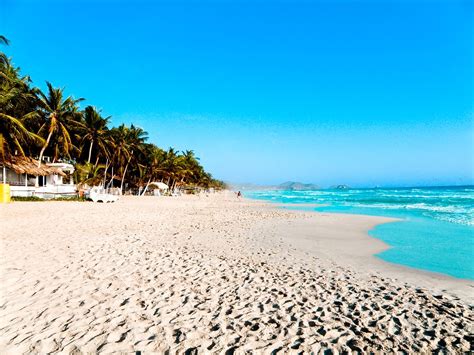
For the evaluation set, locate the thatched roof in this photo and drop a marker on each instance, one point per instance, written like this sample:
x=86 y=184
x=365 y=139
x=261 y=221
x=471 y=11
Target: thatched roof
x=25 y=165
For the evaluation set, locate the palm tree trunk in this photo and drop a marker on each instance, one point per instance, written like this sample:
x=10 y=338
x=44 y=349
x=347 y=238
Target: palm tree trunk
x=123 y=176
x=111 y=183
x=90 y=152
x=146 y=187
x=105 y=172
x=44 y=148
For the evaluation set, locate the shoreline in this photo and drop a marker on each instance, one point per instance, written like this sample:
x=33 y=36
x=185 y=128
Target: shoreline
x=365 y=258
x=211 y=273
x=404 y=270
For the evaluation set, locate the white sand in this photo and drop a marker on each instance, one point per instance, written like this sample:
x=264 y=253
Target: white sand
x=213 y=274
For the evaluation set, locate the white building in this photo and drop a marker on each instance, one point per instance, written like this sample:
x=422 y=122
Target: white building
x=26 y=179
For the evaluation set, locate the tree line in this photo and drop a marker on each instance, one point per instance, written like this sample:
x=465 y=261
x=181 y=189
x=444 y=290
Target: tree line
x=37 y=124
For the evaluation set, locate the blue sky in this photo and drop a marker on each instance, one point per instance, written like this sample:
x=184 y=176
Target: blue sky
x=331 y=92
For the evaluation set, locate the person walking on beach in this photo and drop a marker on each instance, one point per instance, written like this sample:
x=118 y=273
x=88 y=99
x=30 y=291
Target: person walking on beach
x=239 y=195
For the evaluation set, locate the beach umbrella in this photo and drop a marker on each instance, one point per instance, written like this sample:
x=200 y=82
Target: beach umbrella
x=160 y=185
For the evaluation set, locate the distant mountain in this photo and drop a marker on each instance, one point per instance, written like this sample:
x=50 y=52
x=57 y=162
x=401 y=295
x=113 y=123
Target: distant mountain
x=297 y=186
x=340 y=187
x=289 y=186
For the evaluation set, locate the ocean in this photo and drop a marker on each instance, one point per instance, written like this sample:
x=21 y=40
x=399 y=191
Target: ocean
x=437 y=228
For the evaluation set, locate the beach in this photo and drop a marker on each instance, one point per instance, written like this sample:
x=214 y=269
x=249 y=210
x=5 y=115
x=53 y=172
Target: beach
x=214 y=274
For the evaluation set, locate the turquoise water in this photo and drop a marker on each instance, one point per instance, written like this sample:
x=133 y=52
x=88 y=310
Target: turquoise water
x=437 y=228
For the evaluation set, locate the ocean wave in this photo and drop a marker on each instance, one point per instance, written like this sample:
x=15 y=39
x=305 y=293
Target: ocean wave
x=454 y=205
x=466 y=220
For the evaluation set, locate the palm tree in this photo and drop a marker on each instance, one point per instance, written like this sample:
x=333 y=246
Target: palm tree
x=93 y=128
x=59 y=115
x=135 y=139
x=128 y=143
x=121 y=149
x=24 y=110
x=14 y=135
x=89 y=174
x=4 y=40
x=17 y=105
x=153 y=160
x=190 y=165
x=3 y=57
x=173 y=166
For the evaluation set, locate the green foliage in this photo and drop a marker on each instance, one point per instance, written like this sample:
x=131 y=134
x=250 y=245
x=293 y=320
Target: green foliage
x=29 y=198
x=72 y=198
x=51 y=124
x=38 y=199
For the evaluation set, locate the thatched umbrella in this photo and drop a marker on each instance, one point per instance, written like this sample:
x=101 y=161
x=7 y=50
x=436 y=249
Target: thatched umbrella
x=26 y=165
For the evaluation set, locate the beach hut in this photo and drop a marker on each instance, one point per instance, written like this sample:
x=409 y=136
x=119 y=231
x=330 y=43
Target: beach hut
x=46 y=181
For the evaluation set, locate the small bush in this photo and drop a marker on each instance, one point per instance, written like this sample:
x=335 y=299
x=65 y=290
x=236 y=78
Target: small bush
x=27 y=198
x=37 y=199
x=72 y=198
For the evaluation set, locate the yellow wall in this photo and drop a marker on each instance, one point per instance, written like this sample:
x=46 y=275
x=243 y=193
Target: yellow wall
x=4 y=193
